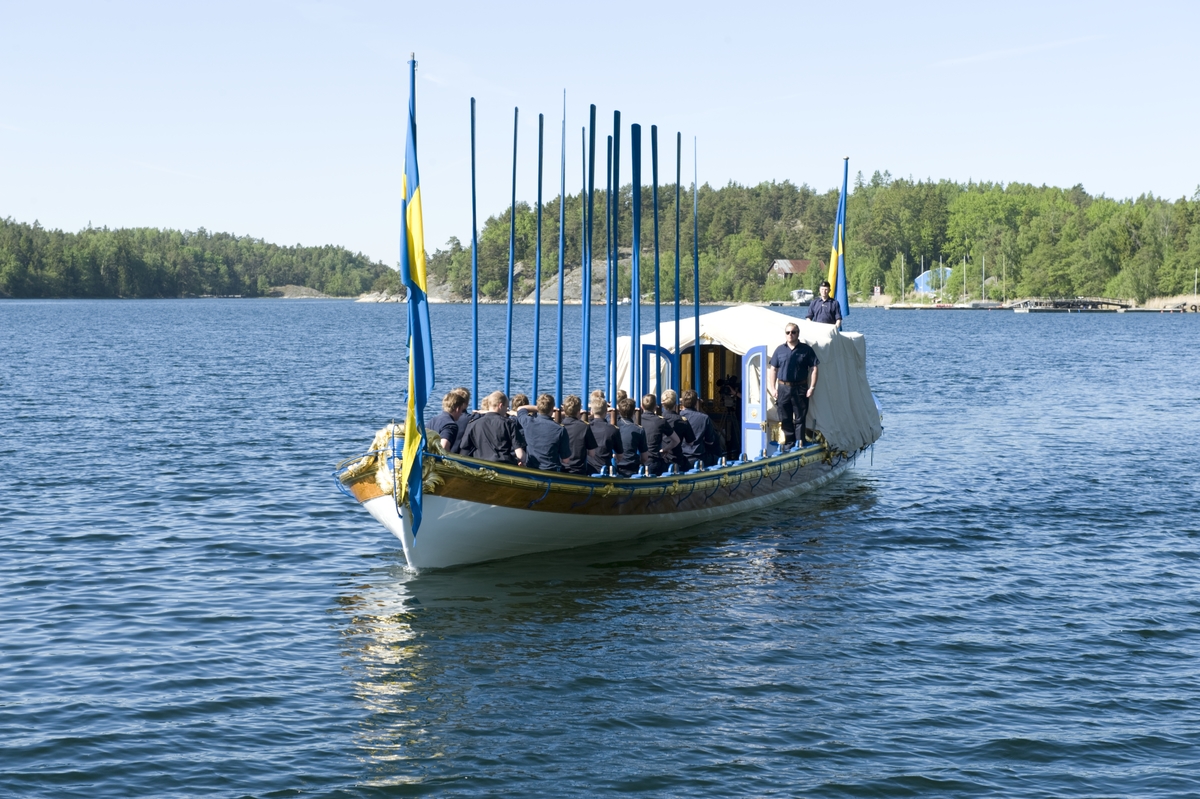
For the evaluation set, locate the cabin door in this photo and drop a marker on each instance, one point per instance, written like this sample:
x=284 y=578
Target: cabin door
x=657 y=366
x=754 y=401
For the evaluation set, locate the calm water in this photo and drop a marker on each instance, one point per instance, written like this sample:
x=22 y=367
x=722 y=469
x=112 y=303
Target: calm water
x=1004 y=603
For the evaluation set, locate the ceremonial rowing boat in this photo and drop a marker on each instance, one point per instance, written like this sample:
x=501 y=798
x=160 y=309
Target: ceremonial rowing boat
x=476 y=510
x=449 y=509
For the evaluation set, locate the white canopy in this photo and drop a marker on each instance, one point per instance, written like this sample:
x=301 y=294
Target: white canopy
x=842 y=407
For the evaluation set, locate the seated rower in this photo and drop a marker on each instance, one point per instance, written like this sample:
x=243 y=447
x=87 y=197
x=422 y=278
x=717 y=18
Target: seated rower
x=445 y=424
x=660 y=439
x=466 y=418
x=579 y=436
x=549 y=445
x=608 y=438
x=680 y=428
x=494 y=436
x=633 y=440
x=704 y=445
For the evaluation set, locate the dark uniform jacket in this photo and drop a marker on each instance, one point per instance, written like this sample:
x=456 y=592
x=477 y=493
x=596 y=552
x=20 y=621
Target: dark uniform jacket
x=686 y=436
x=633 y=444
x=581 y=439
x=493 y=437
x=703 y=446
x=825 y=311
x=657 y=429
x=608 y=443
x=548 y=442
x=464 y=422
x=445 y=427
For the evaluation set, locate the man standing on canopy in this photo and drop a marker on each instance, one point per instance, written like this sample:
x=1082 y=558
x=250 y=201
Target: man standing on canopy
x=825 y=309
x=791 y=378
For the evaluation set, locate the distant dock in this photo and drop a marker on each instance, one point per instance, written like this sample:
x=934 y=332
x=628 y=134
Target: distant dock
x=1047 y=305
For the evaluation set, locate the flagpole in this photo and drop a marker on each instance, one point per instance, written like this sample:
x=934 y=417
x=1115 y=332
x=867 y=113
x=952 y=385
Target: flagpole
x=512 y=252
x=474 y=273
x=537 y=269
x=657 y=318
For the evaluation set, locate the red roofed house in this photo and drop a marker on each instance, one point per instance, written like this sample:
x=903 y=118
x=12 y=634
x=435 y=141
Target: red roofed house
x=784 y=267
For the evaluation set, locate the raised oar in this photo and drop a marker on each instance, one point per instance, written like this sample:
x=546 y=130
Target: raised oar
x=474 y=273
x=587 y=273
x=562 y=252
x=537 y=269
x=512 y=252
x=696 y=259
x=608 y=280
x=675 y=377
x=616 y=243
x=637 y=380
x=654 y=202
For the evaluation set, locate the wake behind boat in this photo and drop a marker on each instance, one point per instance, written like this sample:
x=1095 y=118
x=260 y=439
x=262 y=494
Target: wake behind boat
x=448 y=509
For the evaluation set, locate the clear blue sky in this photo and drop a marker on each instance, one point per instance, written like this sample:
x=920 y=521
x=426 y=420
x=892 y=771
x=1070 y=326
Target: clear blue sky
x=284 y=120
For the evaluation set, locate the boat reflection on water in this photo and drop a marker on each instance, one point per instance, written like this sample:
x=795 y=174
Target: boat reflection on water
x=447 y=663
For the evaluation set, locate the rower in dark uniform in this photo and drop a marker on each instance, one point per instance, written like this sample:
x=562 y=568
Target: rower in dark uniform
x=660 y=438
x=633 y=440
x=445 y=424
x=579 y=436
x=464 y=421
x=549 y=446
x=495 y=436
x=687 y=437
x=608 y=438
x=704 y=446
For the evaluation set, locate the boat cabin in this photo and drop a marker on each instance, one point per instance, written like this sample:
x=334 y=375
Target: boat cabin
x=736 y=345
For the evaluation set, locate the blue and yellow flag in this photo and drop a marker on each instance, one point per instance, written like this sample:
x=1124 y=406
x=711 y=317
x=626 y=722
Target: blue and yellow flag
x=837 y=258
x=420 y=338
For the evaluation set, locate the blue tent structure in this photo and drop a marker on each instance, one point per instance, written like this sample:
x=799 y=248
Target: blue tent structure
x=924 y=284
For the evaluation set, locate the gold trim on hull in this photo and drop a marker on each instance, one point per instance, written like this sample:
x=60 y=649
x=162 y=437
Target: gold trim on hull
x=488 y=483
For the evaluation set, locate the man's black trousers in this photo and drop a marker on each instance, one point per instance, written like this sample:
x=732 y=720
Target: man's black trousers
x=792 y=402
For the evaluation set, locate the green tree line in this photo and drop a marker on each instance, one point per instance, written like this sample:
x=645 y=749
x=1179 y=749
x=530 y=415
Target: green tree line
x=148 y=262
x=1031 y=240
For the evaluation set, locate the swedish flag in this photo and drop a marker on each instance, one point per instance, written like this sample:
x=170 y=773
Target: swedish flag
x=420 y=338
x=837 y=258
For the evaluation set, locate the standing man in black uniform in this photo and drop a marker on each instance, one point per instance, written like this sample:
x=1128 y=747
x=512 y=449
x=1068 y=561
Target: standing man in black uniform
x=825 y=309
x=608 y=438
x=791 y=378
x=579 y=437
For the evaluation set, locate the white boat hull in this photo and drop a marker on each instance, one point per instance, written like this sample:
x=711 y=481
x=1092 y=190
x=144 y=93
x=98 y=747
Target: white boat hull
x=458 y=531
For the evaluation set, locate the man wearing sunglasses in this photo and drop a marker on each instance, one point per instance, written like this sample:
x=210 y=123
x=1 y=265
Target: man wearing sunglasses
x=791 y=378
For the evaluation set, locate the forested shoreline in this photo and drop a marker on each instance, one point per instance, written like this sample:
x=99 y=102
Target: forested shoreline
x=1035 y=241
x=149 y=262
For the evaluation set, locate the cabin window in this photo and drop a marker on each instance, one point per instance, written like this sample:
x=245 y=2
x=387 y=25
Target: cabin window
x=752 y=390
